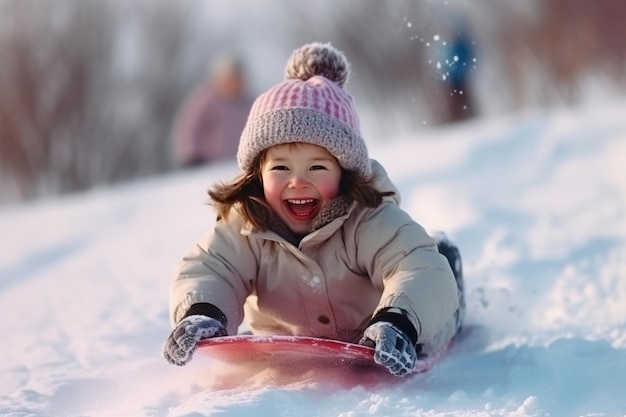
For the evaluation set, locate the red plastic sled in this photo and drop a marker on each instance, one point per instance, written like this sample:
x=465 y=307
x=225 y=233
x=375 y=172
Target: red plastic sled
x=295 y=351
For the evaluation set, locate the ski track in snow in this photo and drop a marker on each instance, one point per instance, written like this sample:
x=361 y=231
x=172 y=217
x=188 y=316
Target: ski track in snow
x=536 y=202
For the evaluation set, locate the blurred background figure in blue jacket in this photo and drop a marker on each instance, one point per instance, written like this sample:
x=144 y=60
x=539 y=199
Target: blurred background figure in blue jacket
x=460 y=62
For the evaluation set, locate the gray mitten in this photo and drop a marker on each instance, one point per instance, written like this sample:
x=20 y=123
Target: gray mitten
x=182 y=342
x=393 y=348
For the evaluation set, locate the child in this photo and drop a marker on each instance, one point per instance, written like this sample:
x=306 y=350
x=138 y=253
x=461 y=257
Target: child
x=310 y=240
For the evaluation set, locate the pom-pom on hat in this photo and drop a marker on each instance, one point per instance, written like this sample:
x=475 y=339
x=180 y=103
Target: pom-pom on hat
x=310 y=106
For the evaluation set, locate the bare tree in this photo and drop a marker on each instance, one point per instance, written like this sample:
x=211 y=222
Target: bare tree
x=53 y=61
x=70 y=117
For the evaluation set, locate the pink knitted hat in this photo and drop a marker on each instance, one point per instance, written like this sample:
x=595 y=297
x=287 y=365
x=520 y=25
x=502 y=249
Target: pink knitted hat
x=310 y=106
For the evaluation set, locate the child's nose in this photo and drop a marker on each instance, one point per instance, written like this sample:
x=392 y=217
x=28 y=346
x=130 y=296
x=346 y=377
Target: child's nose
x=298 y=180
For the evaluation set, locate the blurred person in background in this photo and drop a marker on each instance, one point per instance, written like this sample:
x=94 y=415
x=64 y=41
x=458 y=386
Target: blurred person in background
x=212 y=117
x=459 y=59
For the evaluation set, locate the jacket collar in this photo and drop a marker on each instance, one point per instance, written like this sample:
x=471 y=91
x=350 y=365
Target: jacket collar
x=339 y=207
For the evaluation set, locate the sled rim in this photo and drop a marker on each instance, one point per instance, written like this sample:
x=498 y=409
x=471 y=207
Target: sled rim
x=297 y=344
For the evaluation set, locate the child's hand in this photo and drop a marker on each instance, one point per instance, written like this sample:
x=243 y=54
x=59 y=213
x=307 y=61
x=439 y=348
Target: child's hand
x=182 y=342
x=394 y=349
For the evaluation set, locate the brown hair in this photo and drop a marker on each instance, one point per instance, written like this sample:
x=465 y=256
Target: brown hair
x=246 y=193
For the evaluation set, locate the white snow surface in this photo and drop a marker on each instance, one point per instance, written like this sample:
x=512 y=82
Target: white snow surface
x=536 y=202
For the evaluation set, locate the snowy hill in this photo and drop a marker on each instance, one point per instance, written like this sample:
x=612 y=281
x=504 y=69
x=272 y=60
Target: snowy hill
x=537 y=204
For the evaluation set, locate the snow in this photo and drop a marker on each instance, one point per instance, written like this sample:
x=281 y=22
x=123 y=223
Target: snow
x=536 y=202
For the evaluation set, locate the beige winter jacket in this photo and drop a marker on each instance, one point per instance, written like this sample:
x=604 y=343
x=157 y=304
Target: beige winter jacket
x=331 y=284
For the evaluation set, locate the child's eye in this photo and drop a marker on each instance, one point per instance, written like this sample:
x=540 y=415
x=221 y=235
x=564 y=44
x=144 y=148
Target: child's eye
x=279 y=168
x=317 y=167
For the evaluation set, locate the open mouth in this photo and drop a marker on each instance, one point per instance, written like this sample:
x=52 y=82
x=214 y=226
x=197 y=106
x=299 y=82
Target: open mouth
x=302 y=208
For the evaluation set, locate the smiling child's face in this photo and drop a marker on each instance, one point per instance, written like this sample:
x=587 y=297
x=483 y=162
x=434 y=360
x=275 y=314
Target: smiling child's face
x=298 y=180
